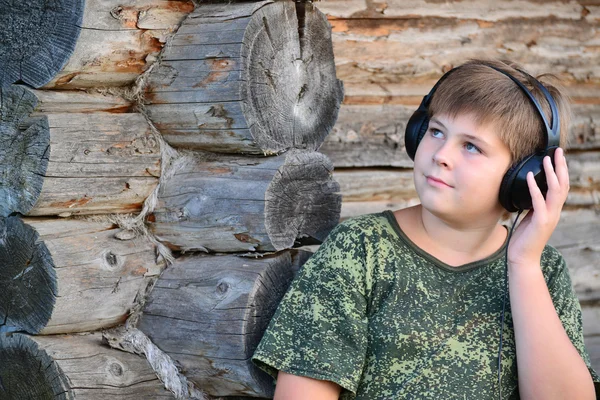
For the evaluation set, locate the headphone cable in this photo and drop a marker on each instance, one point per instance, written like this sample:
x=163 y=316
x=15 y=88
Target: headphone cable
x=504 y=303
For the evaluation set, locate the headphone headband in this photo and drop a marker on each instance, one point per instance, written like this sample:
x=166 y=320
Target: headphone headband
x=552 y=130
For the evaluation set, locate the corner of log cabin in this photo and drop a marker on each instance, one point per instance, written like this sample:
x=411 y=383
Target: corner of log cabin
x=286 y=116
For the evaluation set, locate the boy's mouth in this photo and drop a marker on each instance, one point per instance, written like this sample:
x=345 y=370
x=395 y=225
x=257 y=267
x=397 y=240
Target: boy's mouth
x=436 y=181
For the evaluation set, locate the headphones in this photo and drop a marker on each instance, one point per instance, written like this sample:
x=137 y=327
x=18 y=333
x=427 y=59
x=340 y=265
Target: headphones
x=514 y=192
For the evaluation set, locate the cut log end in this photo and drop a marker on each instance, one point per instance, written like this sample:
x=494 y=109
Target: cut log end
x=291 y=96
x=28 y=372
x=28 y=284
x=302 y=200
x=23 y=163
x=36 y=39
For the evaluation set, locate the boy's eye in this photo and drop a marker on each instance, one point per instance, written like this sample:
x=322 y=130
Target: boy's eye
x=471 y=148
x=436 y=133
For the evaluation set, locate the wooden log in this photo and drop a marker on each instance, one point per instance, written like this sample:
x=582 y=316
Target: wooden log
x=373 y=135
x=73 y=163
x=470 y=9
x=119 y=40
x=77 y=101
x=209 y=313
x=380 y=48
x=255 y=77
x=577 y=236
x=37 y=39
x=227 y=203
x=73 y=367
x=61 y=276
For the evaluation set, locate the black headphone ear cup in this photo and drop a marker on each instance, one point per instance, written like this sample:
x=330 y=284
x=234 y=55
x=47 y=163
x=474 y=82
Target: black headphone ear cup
x=514 y=191
x=416 y=127
x=506 y=187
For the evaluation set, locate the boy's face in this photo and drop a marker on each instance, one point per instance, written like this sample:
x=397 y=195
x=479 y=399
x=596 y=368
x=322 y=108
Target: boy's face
x=459 y=166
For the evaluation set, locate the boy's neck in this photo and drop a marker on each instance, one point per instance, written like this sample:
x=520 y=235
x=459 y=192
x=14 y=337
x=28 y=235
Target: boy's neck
x=455 y=242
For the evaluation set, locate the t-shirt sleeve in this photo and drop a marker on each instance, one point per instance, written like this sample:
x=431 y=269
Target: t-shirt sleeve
x=320 y=327
x=569 y=311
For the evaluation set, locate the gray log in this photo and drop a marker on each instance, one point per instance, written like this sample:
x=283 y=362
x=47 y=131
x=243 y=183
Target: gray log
x=36 y=39
x=578 y=239
x=73 y=163
x=209 y=313
x=413 y=40
x=255 y=77
x=119 y=40
x=60 y=276
x=227 y=203
x=73 y=367
x=373 y=135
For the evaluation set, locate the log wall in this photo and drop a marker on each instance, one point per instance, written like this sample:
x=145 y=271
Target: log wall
x=390 y=53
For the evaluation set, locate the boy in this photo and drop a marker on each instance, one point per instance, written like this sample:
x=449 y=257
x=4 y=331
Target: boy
x=407 y=304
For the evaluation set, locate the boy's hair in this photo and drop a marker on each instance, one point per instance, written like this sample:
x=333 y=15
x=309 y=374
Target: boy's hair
x=493 y=98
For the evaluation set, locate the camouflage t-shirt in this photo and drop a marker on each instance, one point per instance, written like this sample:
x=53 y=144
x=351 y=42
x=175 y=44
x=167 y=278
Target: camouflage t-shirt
x=385 y=320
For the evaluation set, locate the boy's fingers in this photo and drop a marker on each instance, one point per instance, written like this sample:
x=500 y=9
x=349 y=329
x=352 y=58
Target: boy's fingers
x=551 y=178
x=562 y=169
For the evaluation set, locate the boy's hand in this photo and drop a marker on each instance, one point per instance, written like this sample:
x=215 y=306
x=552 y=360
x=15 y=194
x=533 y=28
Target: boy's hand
x=532 y=233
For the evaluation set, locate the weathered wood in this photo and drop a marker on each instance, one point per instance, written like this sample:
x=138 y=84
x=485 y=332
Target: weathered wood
x=373 y=135
x=380 y=48
x=36 y=39
x=209 y=313
x=73 y=367
x=577 y=236
x=227 y=203
x=119 y=40
x=73 y=163
x=70 y=275
x=254 y=77
x=591 y=320
x=471 y=9
x=76 y=101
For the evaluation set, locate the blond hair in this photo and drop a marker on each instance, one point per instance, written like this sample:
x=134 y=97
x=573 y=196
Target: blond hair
x=493 y=98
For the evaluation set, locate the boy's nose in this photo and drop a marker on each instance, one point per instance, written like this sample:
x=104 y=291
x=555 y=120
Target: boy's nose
x=442 y=156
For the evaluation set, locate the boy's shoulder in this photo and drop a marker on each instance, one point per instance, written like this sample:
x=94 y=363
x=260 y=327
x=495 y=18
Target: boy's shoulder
x=364 y=224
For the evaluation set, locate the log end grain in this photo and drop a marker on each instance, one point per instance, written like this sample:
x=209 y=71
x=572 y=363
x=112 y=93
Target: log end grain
x=36 y=39
x=28 y=372
x=302 y=200
x=28 y=284
x=291 y=96
x=24 y=161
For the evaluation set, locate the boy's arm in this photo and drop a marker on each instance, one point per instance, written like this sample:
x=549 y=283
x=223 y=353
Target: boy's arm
x=549 y=366
x=293 y=387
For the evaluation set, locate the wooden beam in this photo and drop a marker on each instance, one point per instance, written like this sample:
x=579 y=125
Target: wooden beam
x=228 y=203
x=247 y=77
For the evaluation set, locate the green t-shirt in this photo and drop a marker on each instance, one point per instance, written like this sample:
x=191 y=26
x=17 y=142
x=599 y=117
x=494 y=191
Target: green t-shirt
x=385 y=320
